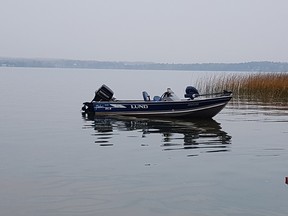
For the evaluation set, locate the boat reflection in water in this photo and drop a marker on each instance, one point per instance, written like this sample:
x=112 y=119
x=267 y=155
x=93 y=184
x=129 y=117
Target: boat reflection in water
x=203 y=135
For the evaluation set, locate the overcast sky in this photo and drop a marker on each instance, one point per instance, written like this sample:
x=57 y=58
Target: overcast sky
x=167 y=31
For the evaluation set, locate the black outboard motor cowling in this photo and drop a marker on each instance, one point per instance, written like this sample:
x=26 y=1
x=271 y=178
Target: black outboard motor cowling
x=191 y=92
x=104 y=93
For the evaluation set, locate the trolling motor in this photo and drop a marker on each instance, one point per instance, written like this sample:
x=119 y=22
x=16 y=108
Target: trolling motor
x=191 y=92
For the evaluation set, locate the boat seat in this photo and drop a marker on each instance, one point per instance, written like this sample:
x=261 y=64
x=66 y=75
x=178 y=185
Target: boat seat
x=146 y=96
x=156 y=98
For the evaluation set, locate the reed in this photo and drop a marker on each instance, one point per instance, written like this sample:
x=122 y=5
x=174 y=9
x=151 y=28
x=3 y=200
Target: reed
x=265 y=87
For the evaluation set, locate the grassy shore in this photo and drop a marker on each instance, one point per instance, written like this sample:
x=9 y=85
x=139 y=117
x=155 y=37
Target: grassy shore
x=264 y=87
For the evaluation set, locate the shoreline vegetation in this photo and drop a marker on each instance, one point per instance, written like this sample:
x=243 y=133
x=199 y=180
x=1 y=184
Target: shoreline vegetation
x=256 y=66
x=259 y=87
x=268 y=87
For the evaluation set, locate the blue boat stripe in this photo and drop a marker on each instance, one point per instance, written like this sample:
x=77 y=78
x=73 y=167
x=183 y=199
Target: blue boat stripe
x=163 y=112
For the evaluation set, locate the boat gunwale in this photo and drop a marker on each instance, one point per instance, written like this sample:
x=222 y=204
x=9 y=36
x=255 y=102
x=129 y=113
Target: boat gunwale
x=129 y=101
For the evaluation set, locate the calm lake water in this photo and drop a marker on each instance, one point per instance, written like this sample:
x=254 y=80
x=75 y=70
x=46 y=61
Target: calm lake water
x=54 y=161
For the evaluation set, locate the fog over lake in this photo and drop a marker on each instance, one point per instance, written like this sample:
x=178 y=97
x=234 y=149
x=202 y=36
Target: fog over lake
x=54 y=161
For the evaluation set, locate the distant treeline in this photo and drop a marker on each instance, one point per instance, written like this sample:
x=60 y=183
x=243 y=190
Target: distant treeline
x=260 y=66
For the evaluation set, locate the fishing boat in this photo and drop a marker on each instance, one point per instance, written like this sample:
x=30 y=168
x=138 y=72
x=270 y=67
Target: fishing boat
x=194 y=105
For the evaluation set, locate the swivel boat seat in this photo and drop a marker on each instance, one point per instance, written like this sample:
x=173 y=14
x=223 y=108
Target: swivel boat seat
x=146 y=96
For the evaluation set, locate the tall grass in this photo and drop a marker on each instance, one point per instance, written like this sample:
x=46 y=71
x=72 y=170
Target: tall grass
x=265 y=87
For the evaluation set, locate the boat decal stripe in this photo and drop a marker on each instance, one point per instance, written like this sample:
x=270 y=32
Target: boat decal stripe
x=118 y=106
x=167 y=112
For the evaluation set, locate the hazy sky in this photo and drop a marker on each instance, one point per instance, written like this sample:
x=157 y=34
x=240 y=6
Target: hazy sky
x=168 y=31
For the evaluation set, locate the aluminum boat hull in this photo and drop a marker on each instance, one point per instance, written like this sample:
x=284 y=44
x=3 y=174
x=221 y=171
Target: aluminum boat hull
x=197 y=108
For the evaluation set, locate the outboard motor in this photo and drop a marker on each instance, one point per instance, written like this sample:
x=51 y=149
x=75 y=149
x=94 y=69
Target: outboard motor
x=191 y=92
x=104 y=93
